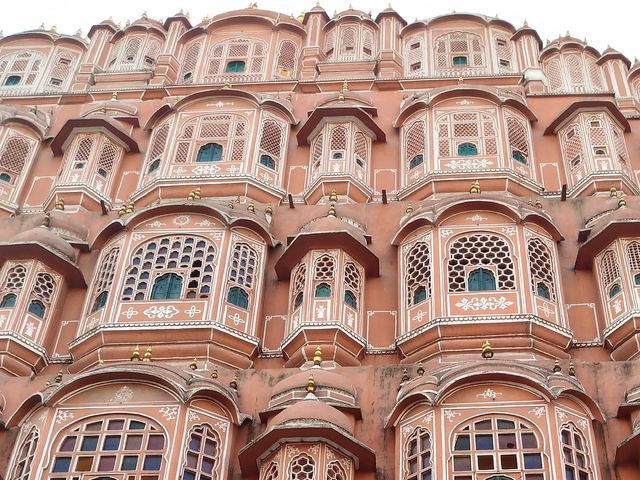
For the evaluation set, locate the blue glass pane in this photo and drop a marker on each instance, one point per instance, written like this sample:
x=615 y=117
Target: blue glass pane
x=518 y=157
x=129 y=462
x=636 y=279
x=8 y=301
x=61 y=464
x=167 y=286
x=481 y=280
x=238 y=297
x=135 y=425
x=543 y=291
x=420 y=295
x=152 y=462
x=111 y=442
x=268 y=162
x=615 y=290
x=13 y=80
x=532 y=461
x=100 y=302
x=37 y=308
x=211 y=152
x=5 y=177
x=460 y=60
x=350 y=299
x=484 y=442
x=415 y=161
x=323 y=290
x=235 y=67
x=153 y=166
x=467 y=149
x=298 y=301
x=89 y=444
x=463 y=443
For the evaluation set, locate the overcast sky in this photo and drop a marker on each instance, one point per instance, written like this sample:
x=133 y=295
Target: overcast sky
x=616 y=24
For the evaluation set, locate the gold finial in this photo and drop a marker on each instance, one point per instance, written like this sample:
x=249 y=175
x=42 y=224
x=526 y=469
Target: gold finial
x=460 y=80
x=345 y=86
x=622 y=202
x=54 y=29
x=147 y=355
x=136 y=353
x=79 y=33
x=332 y=210
x=556 y=367
x=572 y=369
x=538 y=204
x=613 y=192
x=409 y=208
x=251 y=207
x=205 y=19
x=333 y=196
x=59 y=204
x=420 y=369
x=195 y=194
x=129 y=208
x=227 y=85
x=144 y=15
x=268 y=210
x=100 y=362
x=289 y=96
x=311 y=384
x=487 y=351
x=214 y=374
x=114 y=96
x=41 y=27
x=103 y=108
x=301 y=17
x=525 y=24
x=234 y=383
x=341 y=96
x=405 y=376
x=46 y=221
x=317 y=357
x=58 y=378
x=194 y=364
x=475 y=187
x=231 y=204
x=568 y=34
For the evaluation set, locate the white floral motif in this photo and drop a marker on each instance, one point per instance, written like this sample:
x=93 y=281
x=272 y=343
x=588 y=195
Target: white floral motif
x=123 y=395
x=179 y=170
x=3 y=318
x=169 y=412
x=428 y=418
x=546 y=310
x=161 y=311
x=320 y=311
x=222 y=426
x=562 y=416
x=192 y=416
x=181 y=220
x=471 y=164
x=137 y=236
x=42 y=417
x=204 y=223
x=407 y=429
x=483 y=303
x=236 y=319
x=538 y=412
x=130 y=312
x=445 y=232
x=489 y=393
x=582 y=423
x=29 y=329
x=451 y=414
x=419 y=316
x=350 y=319
x=206 y=169
x=193 y=311
x=63 y=416
x=509 y=230
x=617 y=306
x=477 y=218
x=314 y=449
x=291 y=451
x=233 y=169
x=156 y=224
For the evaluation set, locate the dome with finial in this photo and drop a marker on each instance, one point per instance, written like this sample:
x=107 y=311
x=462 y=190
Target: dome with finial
x=49 y=239
x=611 y=53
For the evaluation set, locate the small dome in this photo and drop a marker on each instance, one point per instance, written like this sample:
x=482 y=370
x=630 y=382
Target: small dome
x=322 y=379
x=313 y=411
x=48 y=239
x=335 y=224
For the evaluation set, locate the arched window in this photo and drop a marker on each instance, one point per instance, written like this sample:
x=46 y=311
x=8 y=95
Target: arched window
x=458 y=49
x=350 y=299
x=189 y=62
x=418 y=456
x=467 y=149
x=166 y=287
x=481 y=280
x=202 y=454
x=415 y=161
x=211 y=152
x=302 y=467
x=323 y=290
x=286 y=59
x=541 y=269
x=8 y=301
x=236 y=66
x=575 y=454
x=241 y=276
x=37 y=308
x=238 y=297
x=104 y=278
x=22 y=68
x=499 y=445
x=158 y=146
x=99 y=302
x=267 y=161
x=272 y=473
x=480 y=249
x=107 y=446
x=610 y=274
x=324 y=267
x=460 y=60
x=518 y=138
x=153 y=166
x=191 y=257
x=298 y=300
x=12 y=80
x=5 y=177
x=418 y=274
x=272 y=135
x=636 y=279
x=24 y=460
x=299 y=280
x=335 y=471
x=13 y=157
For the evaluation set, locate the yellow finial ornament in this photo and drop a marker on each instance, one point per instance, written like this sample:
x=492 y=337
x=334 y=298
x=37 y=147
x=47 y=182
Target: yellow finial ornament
x=487 y=351
x=58 y=378
x=147 y=355
x=234 y=383
x=613 y=192
x=311 y=384
x=59 y=204
x=46 y=221
x=409 y=209
x=622 y=202
x=214 y=374
x=135 y=356
x=251 y=207
x=475 y=187
x=556 y=367
x=572 y=369
x=420 y=369
x=317 y=357
x=195 y=194
x=332 y=210
x=268 y=210
x=333 y=196
x=194 y=364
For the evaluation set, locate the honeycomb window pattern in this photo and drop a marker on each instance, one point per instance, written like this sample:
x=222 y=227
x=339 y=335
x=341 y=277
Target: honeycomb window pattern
x=202 y=454
x=324 y=268
x=335 y=472
x=44 y=287
x=191 y=257
x=352 y=278
x=302 y=467
x=116 y=445
x=480 y=250
x=541 y=267
x=418 y=271
x=14 y=279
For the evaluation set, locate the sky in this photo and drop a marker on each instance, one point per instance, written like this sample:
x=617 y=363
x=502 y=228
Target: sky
x=616 y=25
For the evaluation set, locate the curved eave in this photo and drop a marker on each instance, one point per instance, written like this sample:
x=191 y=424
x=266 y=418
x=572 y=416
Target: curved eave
x=343 y=240
x=331 y=112
x=485 y=21
x=157 y=115
x=58 y=143
x=404 y=403
x=169 y=207
x=102 y=26
x=177 y=18
x=527 y=31
x=233 y=92
x=390 y=12
x=43 y=35
x=588 y=105
x=249 y=456
x=462 y=91
x=317 y=10
x=36 y=250
x=38 y=129
x=255 y=16
x=606 y=56
x=354 y=17
x=568 y=44
x=628 y=227
x=136 y=27
x=627 y=451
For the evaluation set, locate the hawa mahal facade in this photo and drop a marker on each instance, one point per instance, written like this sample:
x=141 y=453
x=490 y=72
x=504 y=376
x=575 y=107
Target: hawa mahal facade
x=347 y=248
